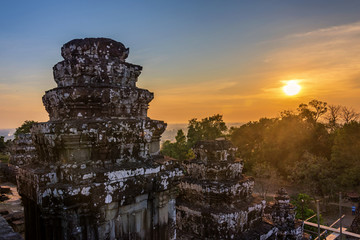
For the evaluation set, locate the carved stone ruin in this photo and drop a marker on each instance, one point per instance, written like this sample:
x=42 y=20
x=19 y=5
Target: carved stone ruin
x=215 y=200
x=93 y=171
x=283 y=217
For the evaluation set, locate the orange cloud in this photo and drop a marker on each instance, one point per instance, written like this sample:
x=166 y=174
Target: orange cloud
x=326 y=62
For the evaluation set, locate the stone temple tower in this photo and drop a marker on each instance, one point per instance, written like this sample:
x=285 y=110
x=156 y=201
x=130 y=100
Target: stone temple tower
x=96 y=172
x=215 y=200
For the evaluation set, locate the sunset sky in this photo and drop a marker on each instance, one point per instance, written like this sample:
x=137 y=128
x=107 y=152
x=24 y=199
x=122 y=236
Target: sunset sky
x=199 y=57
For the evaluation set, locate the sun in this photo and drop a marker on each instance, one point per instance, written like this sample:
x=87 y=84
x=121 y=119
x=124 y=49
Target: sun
x=291 y=88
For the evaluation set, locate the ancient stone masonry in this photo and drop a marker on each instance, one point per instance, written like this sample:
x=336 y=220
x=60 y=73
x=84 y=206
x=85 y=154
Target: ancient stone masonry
x=215 y=200
x=96 y=172
x=282 y=214
x=23 y=151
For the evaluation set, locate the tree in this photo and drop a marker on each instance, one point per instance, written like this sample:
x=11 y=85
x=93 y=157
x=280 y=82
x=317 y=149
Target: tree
x=313 y=110
x=305 y=113
x=250 y=139
x=300 y=147
x=315 y=173
x=302 y=203
x=24 y=128
x=281 y=142
x=2 y=144
x=320 y=108
x=345 y=157
x=178 y=150
x=208 y=128
x=348 y=114
x=265 y=178
x=333 y=117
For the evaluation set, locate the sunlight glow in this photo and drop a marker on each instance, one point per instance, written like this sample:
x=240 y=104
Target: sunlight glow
x=291 y=88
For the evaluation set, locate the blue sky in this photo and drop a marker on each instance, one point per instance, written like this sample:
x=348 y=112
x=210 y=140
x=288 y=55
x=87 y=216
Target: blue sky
x=199 y=57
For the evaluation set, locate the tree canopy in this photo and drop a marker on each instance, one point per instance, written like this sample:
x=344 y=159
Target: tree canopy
x=208 y=128
x=2 y=144
x=178 y=150
x=310 y=146
x=24 y=128
x=281 y=142
x=345 y=155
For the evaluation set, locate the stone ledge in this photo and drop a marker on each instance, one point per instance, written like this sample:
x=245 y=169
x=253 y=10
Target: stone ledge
x=6 y=232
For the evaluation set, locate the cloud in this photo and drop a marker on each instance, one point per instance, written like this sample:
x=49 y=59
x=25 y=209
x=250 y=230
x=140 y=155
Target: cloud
x=327 y=59
x=334 y=31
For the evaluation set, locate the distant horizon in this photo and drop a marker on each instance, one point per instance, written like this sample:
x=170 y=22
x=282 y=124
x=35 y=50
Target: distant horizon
x=182 y=123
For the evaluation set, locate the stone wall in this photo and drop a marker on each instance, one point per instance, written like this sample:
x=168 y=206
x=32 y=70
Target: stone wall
x=215 y=200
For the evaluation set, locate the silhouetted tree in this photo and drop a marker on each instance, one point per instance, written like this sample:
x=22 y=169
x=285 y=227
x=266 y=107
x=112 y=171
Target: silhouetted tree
x=313 y=110
x=348 y=114
x=24 y=128
x=208 y=128
x=333 y=116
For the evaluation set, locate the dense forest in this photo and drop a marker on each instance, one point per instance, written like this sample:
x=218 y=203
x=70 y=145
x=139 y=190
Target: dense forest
x=317 y=145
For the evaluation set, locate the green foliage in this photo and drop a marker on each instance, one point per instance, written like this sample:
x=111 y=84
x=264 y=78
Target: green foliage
x=24 y=128
x=3 y=147
x=208 y=128
x=313 y=110
x=315 y=173
x=2 y=144
x=302 y=203
x=4 y=158
x=190 y=154
x=281 y=142
x=345 y=157
x=249 y=138
x=298 y=146
x=266 y=176
x=179 y=149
